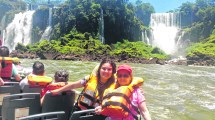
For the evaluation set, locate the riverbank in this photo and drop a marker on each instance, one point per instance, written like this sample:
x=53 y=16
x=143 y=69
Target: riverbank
x=73 y=57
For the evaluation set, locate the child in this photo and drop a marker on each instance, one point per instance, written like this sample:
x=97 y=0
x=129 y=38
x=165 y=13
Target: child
x=61 y=79
x=116 y=106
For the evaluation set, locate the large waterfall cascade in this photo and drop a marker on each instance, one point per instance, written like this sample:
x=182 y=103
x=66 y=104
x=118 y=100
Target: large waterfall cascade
x=101 y=27
x=19 y=30
x=165 y=28
x=47 y=32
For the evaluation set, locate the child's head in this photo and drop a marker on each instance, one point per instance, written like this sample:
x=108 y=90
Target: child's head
x=38 y=68
x=61 y=76
x=124 y=75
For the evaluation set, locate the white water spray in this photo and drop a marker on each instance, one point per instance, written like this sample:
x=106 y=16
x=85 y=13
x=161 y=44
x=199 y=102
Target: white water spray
x=165 y=27
x=19 y=30
x=48 y=30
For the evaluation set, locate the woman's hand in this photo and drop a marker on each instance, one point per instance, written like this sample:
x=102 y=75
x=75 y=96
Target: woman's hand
x=98 y=110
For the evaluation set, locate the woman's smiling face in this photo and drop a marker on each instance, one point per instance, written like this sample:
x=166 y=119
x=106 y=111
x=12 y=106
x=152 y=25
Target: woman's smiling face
x=123 y=77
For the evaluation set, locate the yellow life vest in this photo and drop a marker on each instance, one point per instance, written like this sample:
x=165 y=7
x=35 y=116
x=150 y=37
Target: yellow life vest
x=35 y=80
x=6 y=64
x=90 y=96
x=116 y=103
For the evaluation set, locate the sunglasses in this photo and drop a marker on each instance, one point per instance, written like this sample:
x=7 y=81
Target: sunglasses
x=123 y=75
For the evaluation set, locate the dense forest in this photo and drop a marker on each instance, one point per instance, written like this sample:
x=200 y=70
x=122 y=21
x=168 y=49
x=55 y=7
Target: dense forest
x=78 y=21
x=198 y=21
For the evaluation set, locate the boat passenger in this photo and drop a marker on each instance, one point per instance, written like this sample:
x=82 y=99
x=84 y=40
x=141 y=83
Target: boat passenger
x=61 y=79
x=4 y=53
x=37 y=77
x=94 y=85
x=124 y=102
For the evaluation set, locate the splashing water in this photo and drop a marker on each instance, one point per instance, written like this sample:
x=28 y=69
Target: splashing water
x=19 y=30
x=165 y=27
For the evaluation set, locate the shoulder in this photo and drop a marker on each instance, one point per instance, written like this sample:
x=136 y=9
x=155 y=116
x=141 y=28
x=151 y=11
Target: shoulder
x=138 y=95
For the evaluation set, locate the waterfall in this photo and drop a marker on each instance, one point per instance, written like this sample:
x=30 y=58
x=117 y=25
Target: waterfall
x=145 y=37
x=101 y=27
x=19 y=30
x=3 y=23
x=47 y=32
x=165 y=27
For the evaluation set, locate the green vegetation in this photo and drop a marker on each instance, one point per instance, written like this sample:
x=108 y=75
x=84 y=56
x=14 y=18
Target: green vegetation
x=198 y=20
x=10 y=8
x=122 y=20
x=84 y=44
x=206 y=47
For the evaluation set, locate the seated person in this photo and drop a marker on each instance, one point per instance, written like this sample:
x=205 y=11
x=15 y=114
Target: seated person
x=37 y=77
x=126 y=101
x=4 y=52
x=61 y=79
x=17 y=63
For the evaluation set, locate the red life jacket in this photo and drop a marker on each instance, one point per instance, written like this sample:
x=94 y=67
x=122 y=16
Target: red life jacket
x=6 y=70
x=52 y=86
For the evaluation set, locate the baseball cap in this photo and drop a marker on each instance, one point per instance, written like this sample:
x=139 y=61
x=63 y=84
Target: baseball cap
x=125 y=67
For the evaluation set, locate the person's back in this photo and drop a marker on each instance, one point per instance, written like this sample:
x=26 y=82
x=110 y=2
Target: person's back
x=6 y=63
x=37 y=76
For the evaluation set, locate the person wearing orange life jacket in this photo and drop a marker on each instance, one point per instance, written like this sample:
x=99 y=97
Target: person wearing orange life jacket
x=8 y=69
x=94 y=85
x=61 y=79
x=124 y=101
x=37 y=77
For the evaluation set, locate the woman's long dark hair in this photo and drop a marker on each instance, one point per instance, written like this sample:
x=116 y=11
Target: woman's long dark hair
x=110 y=81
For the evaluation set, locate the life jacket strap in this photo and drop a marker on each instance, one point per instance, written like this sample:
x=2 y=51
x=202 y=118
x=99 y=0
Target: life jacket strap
x=124 y=96
x=121 y=105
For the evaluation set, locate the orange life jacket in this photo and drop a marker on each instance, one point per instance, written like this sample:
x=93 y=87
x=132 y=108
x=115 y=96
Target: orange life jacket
x=35 y=80
x=52 y=86
x=116 y=103
x=89 y=97
x=6 y=70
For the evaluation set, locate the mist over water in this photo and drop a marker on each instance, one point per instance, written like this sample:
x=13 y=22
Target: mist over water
x=172 y=92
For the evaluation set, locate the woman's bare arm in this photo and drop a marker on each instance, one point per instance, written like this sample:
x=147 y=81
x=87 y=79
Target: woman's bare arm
x=144 y=111
x=67 y=87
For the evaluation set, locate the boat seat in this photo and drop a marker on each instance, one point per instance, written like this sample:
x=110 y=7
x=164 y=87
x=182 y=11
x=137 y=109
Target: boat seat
x=86 y=115
x=32 y=89
x=20 y=105
x=61 y=102
x=60 y=115
x=7 y=89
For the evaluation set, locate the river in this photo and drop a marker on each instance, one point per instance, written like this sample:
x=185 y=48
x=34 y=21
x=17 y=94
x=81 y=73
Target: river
x=172 y=92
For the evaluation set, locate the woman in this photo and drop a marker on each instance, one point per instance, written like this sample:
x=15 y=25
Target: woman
x=94 y=85
x=124 y=102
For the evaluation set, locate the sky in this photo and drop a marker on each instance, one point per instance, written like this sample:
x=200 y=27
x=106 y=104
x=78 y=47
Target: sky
x=165 y=5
